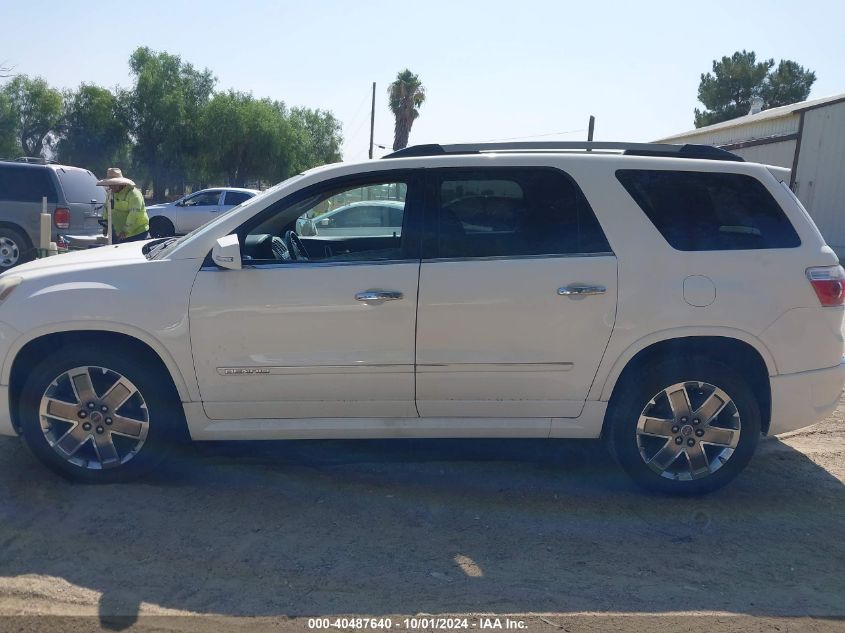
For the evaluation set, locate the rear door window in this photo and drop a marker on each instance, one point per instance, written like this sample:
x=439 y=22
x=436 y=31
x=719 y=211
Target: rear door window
x=26 y=184
x=234 y=198
x=80 y=185
x=513 y=213
x=708 y=211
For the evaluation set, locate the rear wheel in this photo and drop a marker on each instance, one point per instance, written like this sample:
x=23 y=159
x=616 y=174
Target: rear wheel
x=97 y=416
x=161 y=227
x=14 y=248
x=687 y=425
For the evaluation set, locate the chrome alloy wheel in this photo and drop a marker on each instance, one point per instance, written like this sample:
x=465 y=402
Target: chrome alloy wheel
x=688 y=431
x=9 y=252
x=91 y=430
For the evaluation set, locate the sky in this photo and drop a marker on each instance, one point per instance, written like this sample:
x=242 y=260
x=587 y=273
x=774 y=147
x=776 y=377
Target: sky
x=492 y=69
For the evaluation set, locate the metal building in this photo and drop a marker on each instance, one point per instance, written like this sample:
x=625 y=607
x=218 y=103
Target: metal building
x=806 y=137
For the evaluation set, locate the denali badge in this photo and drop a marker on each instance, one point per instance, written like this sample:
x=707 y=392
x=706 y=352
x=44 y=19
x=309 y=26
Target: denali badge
x=241 y=371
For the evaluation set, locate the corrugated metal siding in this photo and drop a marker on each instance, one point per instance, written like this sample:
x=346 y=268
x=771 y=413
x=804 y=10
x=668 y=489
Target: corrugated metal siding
x=767 y=128
x=820 y=177
x=744 y=121
x=780 y=154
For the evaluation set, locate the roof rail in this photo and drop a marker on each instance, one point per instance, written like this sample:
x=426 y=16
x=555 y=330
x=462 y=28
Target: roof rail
x=633 y=149
x=35 y=160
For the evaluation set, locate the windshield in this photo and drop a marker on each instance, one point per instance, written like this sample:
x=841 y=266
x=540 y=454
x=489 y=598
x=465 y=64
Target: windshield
x=160 y=249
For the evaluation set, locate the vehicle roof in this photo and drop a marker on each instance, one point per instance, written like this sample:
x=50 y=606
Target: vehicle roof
x=241 y=189
x=4 y=162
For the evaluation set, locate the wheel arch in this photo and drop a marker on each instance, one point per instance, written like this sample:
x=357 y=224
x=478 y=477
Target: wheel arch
x=44 y=340
x=12 y=226
x=26 y=353
x=754 y=361
x=163 y=217
x=5 y=224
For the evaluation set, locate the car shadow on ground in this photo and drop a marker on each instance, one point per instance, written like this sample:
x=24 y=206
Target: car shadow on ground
x=434 y=526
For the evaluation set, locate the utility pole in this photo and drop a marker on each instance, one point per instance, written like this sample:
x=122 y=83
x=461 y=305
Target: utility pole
x=590 y=128
x=372 y=119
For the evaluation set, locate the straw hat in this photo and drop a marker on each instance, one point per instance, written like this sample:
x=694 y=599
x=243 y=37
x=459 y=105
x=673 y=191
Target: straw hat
x=114 y=177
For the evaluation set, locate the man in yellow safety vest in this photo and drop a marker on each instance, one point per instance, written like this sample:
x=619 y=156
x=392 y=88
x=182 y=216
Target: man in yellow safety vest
x=128 y=212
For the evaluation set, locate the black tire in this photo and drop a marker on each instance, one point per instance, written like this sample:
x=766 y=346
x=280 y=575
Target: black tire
x=14 y=248
x=637 y=390
x=161 y=227
x=162 y=406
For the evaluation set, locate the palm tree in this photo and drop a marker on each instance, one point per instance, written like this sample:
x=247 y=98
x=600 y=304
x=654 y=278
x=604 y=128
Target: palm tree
x=406 y=95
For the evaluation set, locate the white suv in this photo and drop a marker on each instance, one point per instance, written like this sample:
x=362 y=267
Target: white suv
x=674 y=300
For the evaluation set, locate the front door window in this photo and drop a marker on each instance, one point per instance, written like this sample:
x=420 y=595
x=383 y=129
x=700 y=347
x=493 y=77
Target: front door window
x=355 y=223
x=207 y=199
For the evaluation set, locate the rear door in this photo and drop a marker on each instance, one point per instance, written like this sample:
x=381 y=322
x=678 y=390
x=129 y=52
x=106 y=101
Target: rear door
x=517 y=295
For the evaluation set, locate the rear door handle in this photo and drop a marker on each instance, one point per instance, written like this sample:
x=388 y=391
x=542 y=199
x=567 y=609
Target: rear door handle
x=378 y=296
x=581 y=291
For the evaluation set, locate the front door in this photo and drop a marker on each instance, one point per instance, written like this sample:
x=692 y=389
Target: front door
x=315 y=327
x=517 y=295
x=197 y=209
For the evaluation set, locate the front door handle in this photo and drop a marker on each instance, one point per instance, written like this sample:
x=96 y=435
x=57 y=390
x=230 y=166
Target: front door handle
x=581 y=291
x=378 y=296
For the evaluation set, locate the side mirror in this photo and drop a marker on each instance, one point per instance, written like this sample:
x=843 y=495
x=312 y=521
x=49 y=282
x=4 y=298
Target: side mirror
x=227 y=252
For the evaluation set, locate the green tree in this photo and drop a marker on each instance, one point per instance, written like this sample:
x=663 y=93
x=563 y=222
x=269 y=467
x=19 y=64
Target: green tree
x=788 y=83
x=244 y=139
x=319 y=137
x=164 y=108
x=405 y=96
x=727 y=91
x=96 y=134
x=36 y=110
x=9 y=143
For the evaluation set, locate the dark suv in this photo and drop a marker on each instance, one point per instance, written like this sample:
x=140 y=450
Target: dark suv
x=73 y=199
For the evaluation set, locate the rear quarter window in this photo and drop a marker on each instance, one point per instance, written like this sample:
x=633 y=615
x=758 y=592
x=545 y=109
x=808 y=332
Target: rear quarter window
x=19 y=183
x=80 y=185
x=708 y=211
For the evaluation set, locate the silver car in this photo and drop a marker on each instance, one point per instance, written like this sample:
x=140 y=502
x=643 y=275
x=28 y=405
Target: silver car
x=367 y=218
x=191 y=212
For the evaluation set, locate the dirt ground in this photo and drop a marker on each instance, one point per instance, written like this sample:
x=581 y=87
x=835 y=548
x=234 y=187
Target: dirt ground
x=549 y=532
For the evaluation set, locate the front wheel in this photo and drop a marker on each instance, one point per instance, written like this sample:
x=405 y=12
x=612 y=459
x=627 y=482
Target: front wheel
x=687 y=425
x=96 y=416
x=161 y=227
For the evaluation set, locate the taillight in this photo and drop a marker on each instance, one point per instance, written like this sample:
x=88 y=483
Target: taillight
x=829 y=284
x=61 y=217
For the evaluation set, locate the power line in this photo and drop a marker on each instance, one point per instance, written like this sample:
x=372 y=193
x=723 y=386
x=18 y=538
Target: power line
x=522 y=138
x=347 y=135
